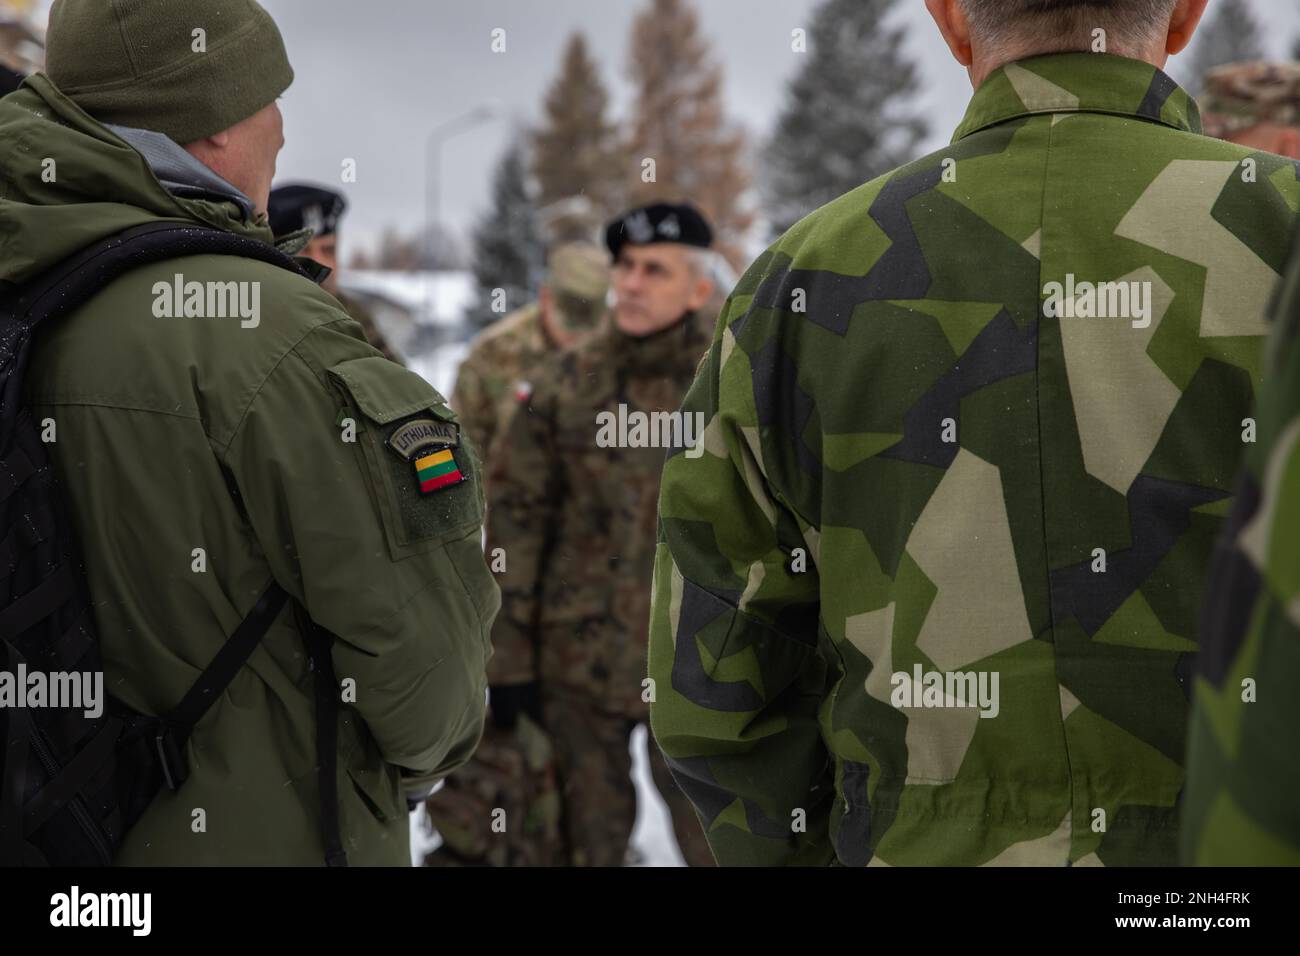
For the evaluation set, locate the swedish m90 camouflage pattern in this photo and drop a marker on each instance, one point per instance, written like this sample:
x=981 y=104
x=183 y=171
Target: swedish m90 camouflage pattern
x=1243 y=765
x=921 y=454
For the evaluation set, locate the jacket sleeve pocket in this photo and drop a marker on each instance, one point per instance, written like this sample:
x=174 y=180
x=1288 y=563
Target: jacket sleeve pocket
x=422 y=470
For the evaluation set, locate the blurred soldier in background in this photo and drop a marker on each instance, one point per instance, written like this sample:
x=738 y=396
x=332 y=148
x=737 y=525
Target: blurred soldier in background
x=21 y=50
x=572 y=503
x=319 y=210
x=495 y=374
x=1255 y=105
x=513 y=770
x=1243 y=763
x=503 y=807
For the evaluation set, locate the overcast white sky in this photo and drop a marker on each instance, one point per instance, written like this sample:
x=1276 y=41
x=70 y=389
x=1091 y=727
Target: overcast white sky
x=374 y=77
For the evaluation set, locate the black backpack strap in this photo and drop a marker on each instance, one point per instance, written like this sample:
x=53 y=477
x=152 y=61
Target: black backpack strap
x=165 y=737
x=76 y=280
x=12 y=774
x=318 y=642
x=176 y=725
x=62 y=289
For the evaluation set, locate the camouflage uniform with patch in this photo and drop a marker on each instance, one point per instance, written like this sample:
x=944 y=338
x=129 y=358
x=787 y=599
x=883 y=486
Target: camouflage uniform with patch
x=577 y=523
x=495 y=374
x=912 y=462
x=1242 y=95
x=503 y=807
x=1243 y=765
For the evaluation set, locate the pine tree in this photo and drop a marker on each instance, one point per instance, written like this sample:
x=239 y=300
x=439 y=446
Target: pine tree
x=850 y=112
x=508 y=252
x=1232 y=36
x=680 y=127
x=577 y=159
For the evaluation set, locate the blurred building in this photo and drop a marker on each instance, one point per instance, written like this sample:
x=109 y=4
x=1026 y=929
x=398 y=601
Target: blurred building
x=422 y=314
x=22 y=47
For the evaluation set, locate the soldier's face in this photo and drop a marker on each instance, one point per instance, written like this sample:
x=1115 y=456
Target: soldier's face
x=324 y=250
x=654 y=286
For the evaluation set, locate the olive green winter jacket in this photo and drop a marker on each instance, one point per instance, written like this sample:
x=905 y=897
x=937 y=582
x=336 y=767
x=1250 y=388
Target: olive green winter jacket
x=159 y=420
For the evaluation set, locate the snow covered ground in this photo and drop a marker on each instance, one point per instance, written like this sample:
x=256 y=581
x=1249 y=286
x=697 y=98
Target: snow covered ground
x=652 y=837
x=438 y=367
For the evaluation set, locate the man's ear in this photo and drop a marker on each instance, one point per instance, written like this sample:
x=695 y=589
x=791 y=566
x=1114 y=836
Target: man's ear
x=952 y=23
x=1186 y=18
x=217 y=140
x=701 y=294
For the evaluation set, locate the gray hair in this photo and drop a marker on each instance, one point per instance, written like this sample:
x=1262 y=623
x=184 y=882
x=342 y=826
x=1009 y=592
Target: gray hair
x=1062 y=25
x=703 y=263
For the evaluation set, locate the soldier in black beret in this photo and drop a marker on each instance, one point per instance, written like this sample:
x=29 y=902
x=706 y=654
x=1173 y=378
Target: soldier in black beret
x=574 y=507
x=304 y=206
x=660 y=222
x=9 y=80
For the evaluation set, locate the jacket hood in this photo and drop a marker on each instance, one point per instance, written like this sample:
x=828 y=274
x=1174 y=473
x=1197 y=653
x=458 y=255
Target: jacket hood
x=67 y=181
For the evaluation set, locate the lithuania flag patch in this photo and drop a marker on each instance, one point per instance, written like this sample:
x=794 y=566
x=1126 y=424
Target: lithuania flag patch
x=437 y=470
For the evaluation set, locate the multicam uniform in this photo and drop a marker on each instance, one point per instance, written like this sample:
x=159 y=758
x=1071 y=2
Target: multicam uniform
x=503 y=808
x=1241 y=95
x=577 y=523
x=495 y=373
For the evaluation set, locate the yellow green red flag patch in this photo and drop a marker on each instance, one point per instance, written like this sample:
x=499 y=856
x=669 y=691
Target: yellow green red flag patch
x=437 y=470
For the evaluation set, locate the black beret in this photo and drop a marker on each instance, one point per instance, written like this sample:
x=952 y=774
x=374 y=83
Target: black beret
x=305 y=207
x=659 y=222
x=9 y=80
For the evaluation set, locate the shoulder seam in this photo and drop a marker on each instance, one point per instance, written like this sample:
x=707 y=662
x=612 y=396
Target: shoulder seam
x=292 y=350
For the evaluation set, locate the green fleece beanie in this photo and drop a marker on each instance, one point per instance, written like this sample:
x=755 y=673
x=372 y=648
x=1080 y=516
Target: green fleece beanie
x=185 y=68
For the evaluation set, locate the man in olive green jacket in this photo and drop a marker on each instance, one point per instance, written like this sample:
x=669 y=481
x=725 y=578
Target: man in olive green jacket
x=205 y=456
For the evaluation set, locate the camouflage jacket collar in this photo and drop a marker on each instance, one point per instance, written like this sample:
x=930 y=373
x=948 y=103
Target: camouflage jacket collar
x=1080 y=83
x=673 y=349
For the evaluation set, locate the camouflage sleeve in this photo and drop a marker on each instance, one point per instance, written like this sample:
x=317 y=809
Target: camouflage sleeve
x=523 y=486
x=1243 y=765
x=733 y=634
x=473 y=402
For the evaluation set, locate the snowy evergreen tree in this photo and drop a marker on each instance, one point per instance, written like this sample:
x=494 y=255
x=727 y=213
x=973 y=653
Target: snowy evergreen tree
x=850 y=112
x=679 y=125
x=577 y=156
x=1230 y=36
x=509 y=257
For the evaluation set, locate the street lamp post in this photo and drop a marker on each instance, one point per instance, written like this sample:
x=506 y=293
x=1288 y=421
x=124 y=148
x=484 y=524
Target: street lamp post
x=438 y=137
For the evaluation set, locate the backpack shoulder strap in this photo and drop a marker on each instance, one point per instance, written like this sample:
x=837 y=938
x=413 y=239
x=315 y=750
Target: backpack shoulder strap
x=76 y=280
x=61 y=290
